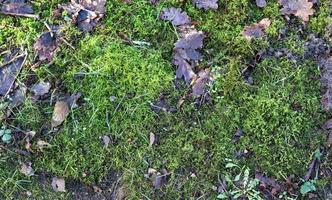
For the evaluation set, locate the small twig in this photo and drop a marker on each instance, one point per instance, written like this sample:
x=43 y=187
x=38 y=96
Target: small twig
x=21 y=15
x=12 y=60
x=67 y=43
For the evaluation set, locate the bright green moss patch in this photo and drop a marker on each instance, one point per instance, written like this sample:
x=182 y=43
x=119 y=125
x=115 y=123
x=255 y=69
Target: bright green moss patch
x=134 y=77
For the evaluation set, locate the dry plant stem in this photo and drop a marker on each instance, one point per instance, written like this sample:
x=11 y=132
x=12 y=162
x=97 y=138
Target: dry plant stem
x=21 y=15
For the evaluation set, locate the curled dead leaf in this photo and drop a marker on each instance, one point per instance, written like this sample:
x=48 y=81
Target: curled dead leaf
x=300 y=8
x=26 y=169
x=256 y=30
x=12 y=66
x=60 y=113
x=58 y=184
x=152 y=139
x=42 y=144
x=46 y=46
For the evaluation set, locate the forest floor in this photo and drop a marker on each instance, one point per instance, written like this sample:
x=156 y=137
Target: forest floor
x=96 y=110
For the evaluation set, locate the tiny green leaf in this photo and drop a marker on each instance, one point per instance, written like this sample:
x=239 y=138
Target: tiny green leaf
x=231 y=165
x=6 y=138
x=307 y=187
x=222 y=196
x=237 y=177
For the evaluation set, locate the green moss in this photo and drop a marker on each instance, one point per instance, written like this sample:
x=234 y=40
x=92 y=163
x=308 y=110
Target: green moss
x=279 y=113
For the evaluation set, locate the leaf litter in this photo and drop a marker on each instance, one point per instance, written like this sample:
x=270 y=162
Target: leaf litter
x=186 y=52
x=17 y=8
x=300 y=8
x=60 y=113
x=47 y=45
x=256 y=30
x=86 y=14
x=58 y=184
x=206 y=4
x=12 y=66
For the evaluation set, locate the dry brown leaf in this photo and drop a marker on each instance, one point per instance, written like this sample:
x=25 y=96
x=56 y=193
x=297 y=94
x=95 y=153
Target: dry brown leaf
x=152 y=139
x=26 y=169
x=329 y=139
x=300 y=8
x=60 y=113
x=106 y=140
x=256 y=30
x=42 y=144
x=58 y=184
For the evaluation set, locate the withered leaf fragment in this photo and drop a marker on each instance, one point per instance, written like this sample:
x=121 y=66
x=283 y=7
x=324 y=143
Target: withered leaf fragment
x=326 y=83
x=41 y=88
x=86 y=13
x=192 y=40
x=175 y=16
x=256 y=30
x=184 y=69
x=58 y=184
x=13 y=64
x=268 y=181
x=26 y=169
x=199 y=86
x=60 y=113
x=18 y=97
x=46 y=46
x=17 y=8
x=261 y=3
x=300 y=8
x=159 y=179
x=206 y=4
x=105 y=140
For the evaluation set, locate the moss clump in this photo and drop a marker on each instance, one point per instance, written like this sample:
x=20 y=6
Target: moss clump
x=279 y=113
x=134 y=77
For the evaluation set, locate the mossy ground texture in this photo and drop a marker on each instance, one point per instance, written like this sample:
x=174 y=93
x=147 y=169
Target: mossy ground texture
x=280 y=113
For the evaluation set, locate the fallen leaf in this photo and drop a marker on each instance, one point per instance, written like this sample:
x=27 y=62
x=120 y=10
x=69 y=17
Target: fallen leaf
x=300 y=8
x=106 y=140
x=184 y=69
x=60 y=113
x=152 y=139
x=328 y=124
x=159 y=179
x=18 y=97
x=267 y=181
x=72 y=100
x=199 y=86
x=13 y=64
x=192 y=40
x=42 y=144
x=58 y=184
x=40 y=89
x=326 y=83
x=46 y=46
x=329 y=139
x=256 y=30
x=238 y=134
x=17 y=8
x=314 y=165
x=206 y=4
x=26 y=169
x=152 y=171
x=86 y=13
x=261 y=3
x=175 y=16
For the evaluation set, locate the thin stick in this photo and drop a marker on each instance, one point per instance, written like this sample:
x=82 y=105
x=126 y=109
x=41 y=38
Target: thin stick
x=12 y=60
x=21 y=15
x=67 y=43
